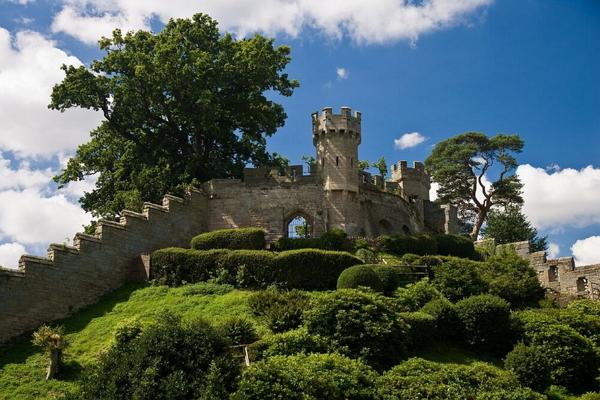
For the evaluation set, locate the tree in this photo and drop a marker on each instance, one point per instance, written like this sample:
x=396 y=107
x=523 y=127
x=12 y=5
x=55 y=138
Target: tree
x=460 y=166
x=509 y=224
x=363 y=165
x=53 y=340
x=381 y=167
x=181 y=106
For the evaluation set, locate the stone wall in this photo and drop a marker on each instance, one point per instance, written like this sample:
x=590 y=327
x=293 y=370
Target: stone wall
x=44 y=289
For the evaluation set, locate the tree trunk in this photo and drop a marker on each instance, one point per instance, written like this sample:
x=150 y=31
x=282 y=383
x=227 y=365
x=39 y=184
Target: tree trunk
x=481 y=215
x=54 y=365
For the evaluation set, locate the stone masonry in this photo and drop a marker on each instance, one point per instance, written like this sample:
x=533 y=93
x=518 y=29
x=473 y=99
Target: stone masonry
x=334 y=195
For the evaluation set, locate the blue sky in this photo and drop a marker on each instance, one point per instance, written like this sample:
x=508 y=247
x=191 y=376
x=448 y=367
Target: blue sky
x=437 y=68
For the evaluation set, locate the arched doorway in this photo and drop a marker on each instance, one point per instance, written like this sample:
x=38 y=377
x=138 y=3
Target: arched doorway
x=385 y=227
x=405 y=230
x=298 y=225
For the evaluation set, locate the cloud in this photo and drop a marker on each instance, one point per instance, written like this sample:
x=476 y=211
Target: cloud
x=342 y=73
x=553 y=250
x=29 y=68
x=409 y=140
x=565 y=198
x=23 y=177
x=377 y=21
x=10 y=253
x=587 y=251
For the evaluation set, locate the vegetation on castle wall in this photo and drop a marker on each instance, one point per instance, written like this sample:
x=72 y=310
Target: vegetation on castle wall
x=234 y=239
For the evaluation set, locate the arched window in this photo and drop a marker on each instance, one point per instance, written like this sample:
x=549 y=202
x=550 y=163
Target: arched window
x=299 y=227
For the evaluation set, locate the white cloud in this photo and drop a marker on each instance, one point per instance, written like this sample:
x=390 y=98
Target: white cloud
x=587 y=251
x=10 y=253
x=553 y=250
x=22 y=177
x=376 y=21
x=556 y=200
x=342 y=73
x=409 y=140
x=29 y=68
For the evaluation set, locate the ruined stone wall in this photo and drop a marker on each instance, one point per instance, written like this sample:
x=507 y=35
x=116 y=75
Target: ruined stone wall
x=385 y=213
x=47 y=289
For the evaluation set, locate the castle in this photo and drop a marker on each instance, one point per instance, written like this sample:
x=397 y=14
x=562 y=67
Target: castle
x=334 y=195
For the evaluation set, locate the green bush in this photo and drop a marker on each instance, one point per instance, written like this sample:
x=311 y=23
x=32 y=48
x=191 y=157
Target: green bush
x=392 y=277
x=457 y=278
x=312 y=269
x=486 y=322
x=359 y=275
x=422 y=328
x=238 y=330
x=410 y=258
x=168 y=360
x=175 y=266
x=448 y=327
x=414 y=296
x=584 y=317
x=289 y=343
x=367 y=256
x=530 y=366
x=359 y=324
x=249 y=268
x=335 y=239
x=281 y=311
x=307 y=377
x=455 y=245
x=418 y=379
x=421 y=244
x=235 y=239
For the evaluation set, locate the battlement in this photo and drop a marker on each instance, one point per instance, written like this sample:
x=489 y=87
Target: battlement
x=328 y=123
x=414 y=181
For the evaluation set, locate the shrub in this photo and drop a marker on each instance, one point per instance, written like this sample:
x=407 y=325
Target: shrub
x=392 y=277
x=418 y=379
x=307 y=377
x=457 y=278
x=455 y=245
x=399 y=244
x=167 y=360
x=238 y=330
x=447 y=325
x=312 y=269
x=414 y=296
x=422 y=328
x=335 y=239
x=174 y=266
x=249 y=268
x=411 y=258
x=289 y=343
x=367 y=256
x=359 y=275
x=281 y=311
x=486 y=322
x=530 y=366
x=234 y=239
x=359 y=324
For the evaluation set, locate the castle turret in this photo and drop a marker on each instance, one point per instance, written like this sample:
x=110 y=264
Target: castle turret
x=336 y=138
x=414 y=182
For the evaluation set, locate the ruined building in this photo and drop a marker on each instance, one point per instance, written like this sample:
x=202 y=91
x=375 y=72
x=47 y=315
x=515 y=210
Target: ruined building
x=335 y=194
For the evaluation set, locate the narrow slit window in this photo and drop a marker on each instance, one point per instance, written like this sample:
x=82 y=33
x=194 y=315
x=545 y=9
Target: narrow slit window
x=351 y=162
x=337 y=161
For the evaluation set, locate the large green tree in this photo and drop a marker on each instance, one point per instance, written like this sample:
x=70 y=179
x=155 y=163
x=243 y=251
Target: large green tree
x=461 y=165
x=509 y=224
x=184 y=105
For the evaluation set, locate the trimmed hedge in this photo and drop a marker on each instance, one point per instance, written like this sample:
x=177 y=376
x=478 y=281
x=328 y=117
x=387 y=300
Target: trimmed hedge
x=359 y=275
x=426 y=244
x=455 y=245
x=241 y=238
x=309 y=269
x=336 y=239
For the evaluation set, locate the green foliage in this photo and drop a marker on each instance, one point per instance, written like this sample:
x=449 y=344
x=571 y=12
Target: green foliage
x=457 y=278
x=168 y=360
x=511 y=278
x=418 y=379
x=175 y=266
x=366 y=255
x=414 y=296
x=235 y=239
x=381 y=167
x=455 y=245
x=448 y=326
x=359 y=324
x=182 y=105
x=289 y=343
x=312 y=269
x=307 y=377
x=359 y=275
x=401 y=244
x=363 y=165
x=422 y=329
x=237 y=330
x=393 y=277
x=458 y=165
x=530 y=366
x=281 y=311
x=335 y=239
x=583 y=316
x=486 y=323
x=509 y=225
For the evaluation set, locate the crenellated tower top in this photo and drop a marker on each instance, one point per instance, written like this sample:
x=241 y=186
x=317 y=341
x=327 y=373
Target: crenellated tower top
x=328 y=123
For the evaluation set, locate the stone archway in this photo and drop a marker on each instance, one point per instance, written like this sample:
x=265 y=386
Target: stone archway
x=385 y=227
x=298 y=225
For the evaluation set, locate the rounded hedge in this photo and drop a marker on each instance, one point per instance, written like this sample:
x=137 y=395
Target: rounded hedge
x=422 y=328
x=447 y=325
x=238 y=330
x=307 y=377
x=486 y=323
x=455 y=245
x=414 y=296
x=359 y=275
x=297 y=341
x=235 y=239
x=458 y=278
